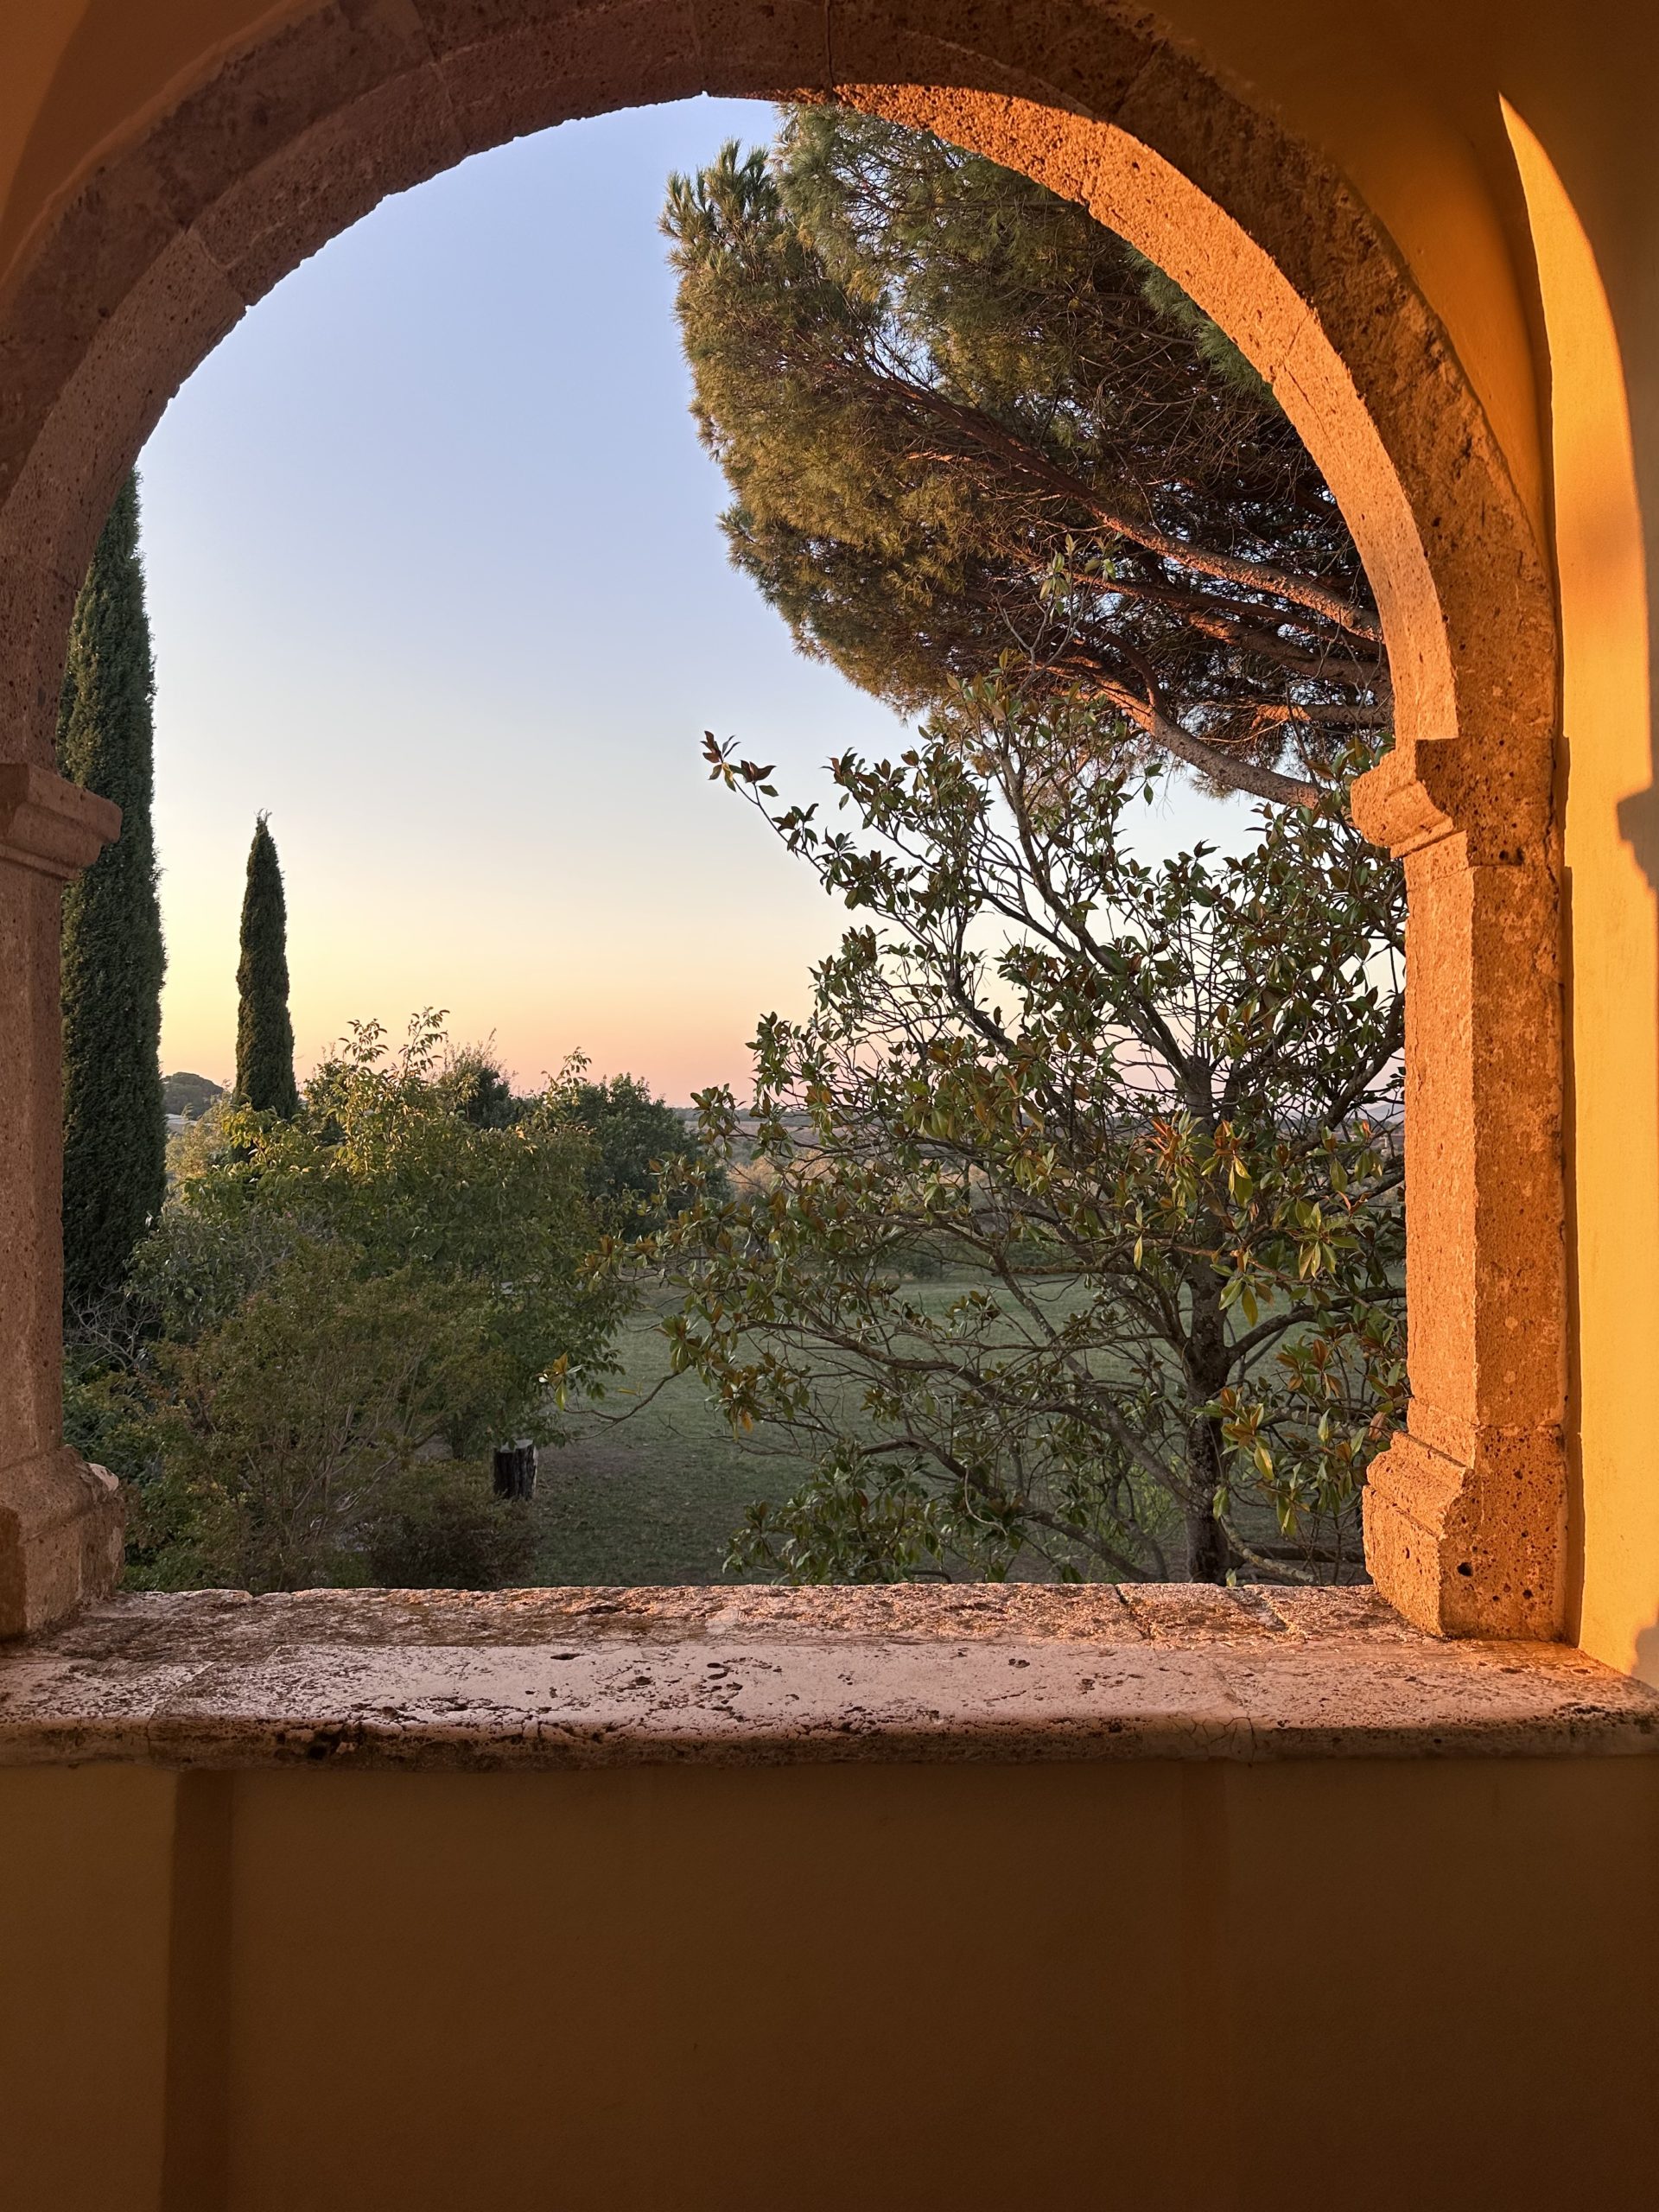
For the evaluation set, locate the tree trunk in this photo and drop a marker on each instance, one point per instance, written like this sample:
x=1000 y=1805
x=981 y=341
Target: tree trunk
x=1208 y=1554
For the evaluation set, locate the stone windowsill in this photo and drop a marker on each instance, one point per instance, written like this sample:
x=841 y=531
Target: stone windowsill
x=552 y=1678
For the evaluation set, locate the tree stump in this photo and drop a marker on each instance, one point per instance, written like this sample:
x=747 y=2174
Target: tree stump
x=515 y=1470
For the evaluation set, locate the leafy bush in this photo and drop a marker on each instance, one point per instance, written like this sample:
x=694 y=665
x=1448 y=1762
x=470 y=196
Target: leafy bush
x=330 y=1303
x=284 y=1431
x=640 y=1148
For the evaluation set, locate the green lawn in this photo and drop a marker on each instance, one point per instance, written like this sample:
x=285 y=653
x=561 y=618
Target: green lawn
x=653 y=1497
x=656 y=1497
x=651 y=1490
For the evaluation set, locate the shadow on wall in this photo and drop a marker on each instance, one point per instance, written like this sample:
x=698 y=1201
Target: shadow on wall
x=1639 y=825
x=1609 y=779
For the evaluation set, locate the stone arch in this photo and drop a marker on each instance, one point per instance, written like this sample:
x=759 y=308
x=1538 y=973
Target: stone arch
x=156 y=252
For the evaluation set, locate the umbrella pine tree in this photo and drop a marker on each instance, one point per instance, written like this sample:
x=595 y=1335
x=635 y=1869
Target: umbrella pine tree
x=264 y=1033
x=970 y=434
x=114 y=1129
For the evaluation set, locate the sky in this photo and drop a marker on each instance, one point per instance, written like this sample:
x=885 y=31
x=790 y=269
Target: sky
x=435 y=579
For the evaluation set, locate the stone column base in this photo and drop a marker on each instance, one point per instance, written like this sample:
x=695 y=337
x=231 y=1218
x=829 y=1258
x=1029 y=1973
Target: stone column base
x=1469 y=1550
x=61 y=1524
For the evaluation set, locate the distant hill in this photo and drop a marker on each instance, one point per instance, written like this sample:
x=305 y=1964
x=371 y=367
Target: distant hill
x=189 y=1096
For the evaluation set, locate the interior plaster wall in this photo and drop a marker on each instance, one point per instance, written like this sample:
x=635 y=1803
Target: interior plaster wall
x=1611 y=854
x=1139 y=1985
x=1405 y=97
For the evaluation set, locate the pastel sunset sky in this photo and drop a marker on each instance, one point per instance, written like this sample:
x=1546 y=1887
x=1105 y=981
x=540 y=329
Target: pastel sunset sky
x=435 y=577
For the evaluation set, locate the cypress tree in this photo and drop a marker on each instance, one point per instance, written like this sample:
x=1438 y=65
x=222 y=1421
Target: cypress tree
x=264 y=1034
x=114 y=1128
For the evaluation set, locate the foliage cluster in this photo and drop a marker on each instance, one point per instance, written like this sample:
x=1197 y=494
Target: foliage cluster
x=338 y=1315
x=967 y=429
x=641 y=1147
x=633 y=1136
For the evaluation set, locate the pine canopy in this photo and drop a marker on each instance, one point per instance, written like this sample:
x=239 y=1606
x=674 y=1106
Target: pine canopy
x=264 y=1033
x=115 y=1130
x=968 y=429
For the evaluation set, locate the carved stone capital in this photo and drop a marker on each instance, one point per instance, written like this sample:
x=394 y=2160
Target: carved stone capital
x=49 y=825
x=1419 y=794
x=1398 y=807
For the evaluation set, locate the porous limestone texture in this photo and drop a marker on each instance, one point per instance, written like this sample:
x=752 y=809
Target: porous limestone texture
x=583 y=1677
x=61 y=1520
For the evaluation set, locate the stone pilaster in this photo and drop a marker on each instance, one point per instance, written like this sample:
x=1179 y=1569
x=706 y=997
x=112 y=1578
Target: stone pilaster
x=60 y=1519
x=1465 y=1514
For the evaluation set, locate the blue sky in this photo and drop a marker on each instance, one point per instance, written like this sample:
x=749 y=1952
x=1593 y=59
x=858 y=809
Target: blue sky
x=435 y=578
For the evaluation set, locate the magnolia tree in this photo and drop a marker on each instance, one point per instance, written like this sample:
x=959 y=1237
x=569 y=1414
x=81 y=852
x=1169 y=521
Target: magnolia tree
x=1147 y=1118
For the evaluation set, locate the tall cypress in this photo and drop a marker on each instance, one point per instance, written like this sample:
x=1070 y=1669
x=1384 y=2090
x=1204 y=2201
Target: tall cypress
x=114 y=1127
x=264 y=1034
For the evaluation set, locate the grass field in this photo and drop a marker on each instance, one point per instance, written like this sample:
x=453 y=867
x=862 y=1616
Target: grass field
x=651 y=1489
x=654 y=1495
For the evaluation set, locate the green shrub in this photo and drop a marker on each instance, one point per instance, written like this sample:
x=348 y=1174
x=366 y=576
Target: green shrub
x=286 y=1433
x=331 y=1304
x=442 y=1529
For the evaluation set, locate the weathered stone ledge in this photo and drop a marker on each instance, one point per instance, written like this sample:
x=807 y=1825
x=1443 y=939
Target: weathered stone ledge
x=559 y=1678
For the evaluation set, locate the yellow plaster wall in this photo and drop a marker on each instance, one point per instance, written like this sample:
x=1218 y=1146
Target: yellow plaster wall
x=1367 y=1985
x=1407 y=96
x=1611 y=851
x=86 y=1913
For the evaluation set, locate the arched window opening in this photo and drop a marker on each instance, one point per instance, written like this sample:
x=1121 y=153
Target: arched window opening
x=1464 y=1521
x=1052 y=1227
